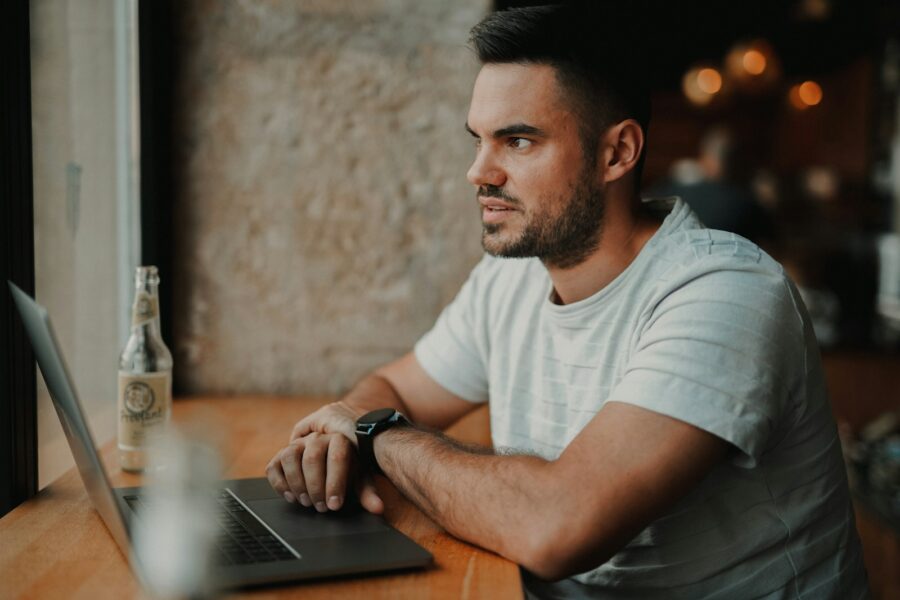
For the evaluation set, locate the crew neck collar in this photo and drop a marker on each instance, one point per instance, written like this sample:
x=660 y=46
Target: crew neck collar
x=676 y=211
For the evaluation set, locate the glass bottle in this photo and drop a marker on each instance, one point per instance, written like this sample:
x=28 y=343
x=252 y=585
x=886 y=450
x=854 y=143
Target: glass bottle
x=145 y=375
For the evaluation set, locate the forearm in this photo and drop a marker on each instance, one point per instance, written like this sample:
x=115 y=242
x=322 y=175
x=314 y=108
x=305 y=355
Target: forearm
x=371 y=393
x=496 y=502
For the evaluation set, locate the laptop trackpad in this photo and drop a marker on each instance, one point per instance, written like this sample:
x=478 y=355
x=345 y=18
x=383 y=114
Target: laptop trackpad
x=293 y=521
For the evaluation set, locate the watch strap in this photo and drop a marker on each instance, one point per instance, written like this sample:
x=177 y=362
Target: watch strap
x=367 y=460
x=366 y=430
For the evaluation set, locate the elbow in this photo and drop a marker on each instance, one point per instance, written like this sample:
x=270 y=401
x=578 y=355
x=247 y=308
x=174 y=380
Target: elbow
x=547 y=569
x=550 y=556
x=563 y=537
x=560 y=552
x=547 y=561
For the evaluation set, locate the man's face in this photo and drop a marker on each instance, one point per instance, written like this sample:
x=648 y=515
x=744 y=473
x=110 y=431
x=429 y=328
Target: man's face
x=537 y=193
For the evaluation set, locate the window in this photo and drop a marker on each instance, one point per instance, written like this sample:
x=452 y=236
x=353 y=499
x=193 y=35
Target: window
x=86 y=209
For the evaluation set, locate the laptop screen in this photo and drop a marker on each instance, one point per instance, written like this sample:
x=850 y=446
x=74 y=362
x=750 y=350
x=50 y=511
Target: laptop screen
x=71 y=415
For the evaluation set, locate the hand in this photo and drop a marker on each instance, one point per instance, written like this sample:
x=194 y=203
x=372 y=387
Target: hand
x=337 y=417
x=315 y=469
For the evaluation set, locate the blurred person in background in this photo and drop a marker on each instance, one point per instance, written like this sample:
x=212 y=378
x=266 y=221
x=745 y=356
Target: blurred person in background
x=711 y=184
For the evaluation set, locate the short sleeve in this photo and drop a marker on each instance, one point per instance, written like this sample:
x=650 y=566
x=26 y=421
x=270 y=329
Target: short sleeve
x=720 y=352
x=455 y=351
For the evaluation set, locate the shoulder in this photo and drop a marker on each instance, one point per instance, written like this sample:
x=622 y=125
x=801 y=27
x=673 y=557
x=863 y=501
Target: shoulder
x=720 y=272
x=722 y=286
x=706 y=252
x=687 y=251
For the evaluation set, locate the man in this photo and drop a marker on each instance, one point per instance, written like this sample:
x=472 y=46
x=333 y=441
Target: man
x=657 y=403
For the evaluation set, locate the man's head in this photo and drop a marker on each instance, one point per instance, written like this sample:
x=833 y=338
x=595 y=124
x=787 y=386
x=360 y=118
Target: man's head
x=556 y=117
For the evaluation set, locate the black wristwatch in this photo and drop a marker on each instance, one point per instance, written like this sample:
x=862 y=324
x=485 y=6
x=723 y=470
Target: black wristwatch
x=367 y=427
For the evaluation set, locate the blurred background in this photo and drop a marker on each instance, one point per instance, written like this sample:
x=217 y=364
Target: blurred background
x=297 y=172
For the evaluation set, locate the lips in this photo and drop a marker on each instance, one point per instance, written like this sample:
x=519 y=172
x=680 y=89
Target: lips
x=495 y=211
x=492 y=204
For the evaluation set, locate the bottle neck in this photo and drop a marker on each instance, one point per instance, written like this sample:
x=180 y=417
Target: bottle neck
x=145 y=310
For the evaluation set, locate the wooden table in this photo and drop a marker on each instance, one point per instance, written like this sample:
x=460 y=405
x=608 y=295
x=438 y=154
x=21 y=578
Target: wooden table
x=56 y=546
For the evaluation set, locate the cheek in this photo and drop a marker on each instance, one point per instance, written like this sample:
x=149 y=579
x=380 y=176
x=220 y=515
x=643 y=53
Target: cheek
x=544 y=185
x=533 y=175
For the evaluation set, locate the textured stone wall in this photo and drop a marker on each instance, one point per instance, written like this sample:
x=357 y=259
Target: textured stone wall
x=323 y=218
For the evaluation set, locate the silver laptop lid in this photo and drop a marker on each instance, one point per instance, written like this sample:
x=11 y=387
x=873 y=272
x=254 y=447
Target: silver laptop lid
x=71 y=415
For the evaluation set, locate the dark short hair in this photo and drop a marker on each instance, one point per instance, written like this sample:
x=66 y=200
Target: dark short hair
x=596 y=54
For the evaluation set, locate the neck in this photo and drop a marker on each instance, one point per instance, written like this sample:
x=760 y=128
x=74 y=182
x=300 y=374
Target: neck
x=624 y=233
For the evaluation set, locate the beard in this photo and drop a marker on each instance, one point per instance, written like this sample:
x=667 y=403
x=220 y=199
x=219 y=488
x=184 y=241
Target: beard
x=562 y=236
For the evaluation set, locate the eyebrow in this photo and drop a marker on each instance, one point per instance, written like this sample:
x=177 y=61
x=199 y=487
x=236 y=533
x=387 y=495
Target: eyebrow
x=514 y=129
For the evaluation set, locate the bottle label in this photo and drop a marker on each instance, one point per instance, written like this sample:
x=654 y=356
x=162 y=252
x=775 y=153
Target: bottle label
x=145 y=402
x=145 y=309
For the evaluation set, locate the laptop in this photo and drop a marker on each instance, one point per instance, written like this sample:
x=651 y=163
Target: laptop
x=263 y=539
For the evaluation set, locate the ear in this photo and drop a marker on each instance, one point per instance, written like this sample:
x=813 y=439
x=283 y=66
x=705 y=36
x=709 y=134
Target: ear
x=622 y=145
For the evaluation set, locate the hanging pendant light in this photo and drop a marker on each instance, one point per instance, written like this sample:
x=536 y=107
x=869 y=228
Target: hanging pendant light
x=753 y=66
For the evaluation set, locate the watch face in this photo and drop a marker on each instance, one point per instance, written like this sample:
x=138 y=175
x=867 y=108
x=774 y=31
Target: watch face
x=376 y=416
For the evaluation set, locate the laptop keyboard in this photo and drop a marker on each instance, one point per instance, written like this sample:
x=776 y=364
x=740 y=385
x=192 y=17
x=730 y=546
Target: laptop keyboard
x=242 y=539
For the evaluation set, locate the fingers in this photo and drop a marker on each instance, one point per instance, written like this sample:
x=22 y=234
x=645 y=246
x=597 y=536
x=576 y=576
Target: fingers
x=279 y=480
x=327 y=460
x=368 y=496
x=337 y=473
x=291 y=466
x=315 y=471
x=303 y=427
x=275 y=475
x=315 y=455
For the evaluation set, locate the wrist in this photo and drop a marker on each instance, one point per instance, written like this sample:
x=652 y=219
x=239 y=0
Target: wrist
x=385 y=443
x=372 y=426
x=354 y=410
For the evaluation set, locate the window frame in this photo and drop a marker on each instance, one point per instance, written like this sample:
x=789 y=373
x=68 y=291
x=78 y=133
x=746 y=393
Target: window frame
x=18 y=370
x=157 y=37
x=18 y=376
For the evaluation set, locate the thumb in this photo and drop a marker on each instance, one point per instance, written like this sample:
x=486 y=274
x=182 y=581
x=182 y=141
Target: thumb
x=368 y=496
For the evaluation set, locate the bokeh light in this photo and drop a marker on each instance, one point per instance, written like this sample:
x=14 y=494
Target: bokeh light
x=810 y=93
x=805 y=95
x=701 y=84
x=754 y=62
x=709 y=80
x=752 y=66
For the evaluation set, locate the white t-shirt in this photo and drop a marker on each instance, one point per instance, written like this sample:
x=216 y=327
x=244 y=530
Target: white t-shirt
x=704 y=327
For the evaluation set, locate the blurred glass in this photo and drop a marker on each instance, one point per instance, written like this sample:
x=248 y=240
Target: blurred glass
x=175 y=536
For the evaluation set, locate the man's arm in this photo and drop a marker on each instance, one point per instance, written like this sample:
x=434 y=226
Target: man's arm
x=555 y=518
x=403 y=385
x=319 y=462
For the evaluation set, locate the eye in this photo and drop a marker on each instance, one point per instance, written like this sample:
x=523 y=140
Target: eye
x=518 y=143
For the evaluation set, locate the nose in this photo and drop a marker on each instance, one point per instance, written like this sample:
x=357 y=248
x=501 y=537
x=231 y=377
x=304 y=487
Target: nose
x=485 y=171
